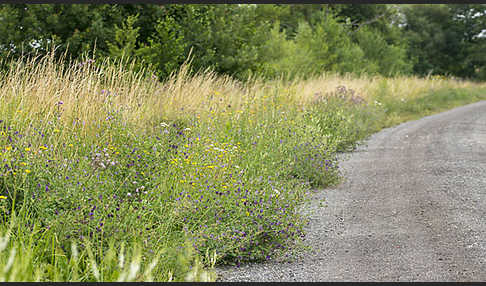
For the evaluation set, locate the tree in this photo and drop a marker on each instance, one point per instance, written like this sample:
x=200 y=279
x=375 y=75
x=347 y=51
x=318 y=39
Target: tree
x=443 y=39
x=125 y=40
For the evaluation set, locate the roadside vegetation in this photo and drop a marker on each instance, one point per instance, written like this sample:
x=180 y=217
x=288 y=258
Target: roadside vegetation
x=146 y=142
x=108 y=174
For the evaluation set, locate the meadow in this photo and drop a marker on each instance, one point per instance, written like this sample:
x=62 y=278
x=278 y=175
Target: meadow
x=108 y=174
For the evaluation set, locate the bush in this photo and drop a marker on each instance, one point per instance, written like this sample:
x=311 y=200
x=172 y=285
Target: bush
x=382 y=58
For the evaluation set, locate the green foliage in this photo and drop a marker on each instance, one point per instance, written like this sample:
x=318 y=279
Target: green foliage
x=276 y=55
x=313 y=50
x=383 y=58
x=327 y=45
x=32 y=28
x=164 y=49
x=199 y=24
x=125 y=40
x=34 y=255
x=443 y=39
x=237 y=38
x=343 y=55
x=241 y=40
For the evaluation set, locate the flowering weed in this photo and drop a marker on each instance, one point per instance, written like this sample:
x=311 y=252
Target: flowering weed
x=194 y=171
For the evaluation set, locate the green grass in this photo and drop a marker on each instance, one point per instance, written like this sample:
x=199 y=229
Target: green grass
x=99 y=182
x=429 y=103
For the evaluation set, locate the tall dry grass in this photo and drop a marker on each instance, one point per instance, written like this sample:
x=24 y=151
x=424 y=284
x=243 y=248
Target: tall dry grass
x=368 y=87
x=88 y=92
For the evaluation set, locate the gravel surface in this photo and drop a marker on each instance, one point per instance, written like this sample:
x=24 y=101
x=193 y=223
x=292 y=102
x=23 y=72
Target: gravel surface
x=412 y=208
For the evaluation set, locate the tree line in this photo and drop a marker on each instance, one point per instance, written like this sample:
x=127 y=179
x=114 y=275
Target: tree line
x=265 y=40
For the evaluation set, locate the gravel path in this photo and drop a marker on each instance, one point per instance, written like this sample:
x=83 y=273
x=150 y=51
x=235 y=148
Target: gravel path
x=412 y=208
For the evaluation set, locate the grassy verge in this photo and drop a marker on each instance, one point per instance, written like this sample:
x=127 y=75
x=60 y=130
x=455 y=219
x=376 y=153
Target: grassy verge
x=429 y=103
x=97 y=159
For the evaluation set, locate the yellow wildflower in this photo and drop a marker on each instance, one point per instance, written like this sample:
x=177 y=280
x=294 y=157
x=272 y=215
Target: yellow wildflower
x=27 y=171
x=3 y=197
x=27 y=149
